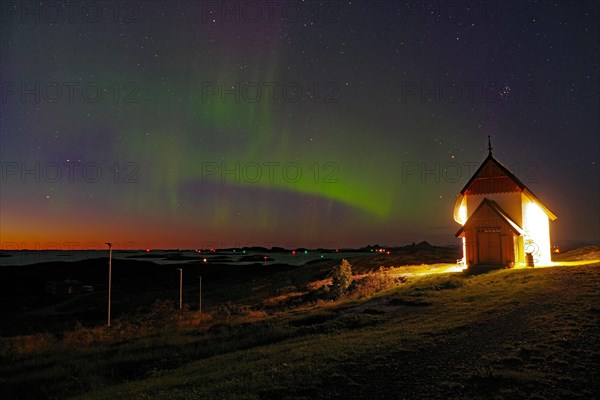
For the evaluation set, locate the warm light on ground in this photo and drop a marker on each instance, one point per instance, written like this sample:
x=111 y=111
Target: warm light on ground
x=561 y=264
x=427 y=269
x=433 y=269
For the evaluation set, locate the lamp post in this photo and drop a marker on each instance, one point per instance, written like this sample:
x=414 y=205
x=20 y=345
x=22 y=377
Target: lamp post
x=109 y=278
x=200 y=296
x=180 y=287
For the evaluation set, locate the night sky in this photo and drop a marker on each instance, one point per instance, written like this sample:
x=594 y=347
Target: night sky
x=198 y=124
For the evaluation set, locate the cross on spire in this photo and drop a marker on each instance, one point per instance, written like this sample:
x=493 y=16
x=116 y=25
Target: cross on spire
x=489 y=145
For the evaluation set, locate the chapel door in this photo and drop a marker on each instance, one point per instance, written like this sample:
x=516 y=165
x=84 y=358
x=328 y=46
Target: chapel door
x=489 y=250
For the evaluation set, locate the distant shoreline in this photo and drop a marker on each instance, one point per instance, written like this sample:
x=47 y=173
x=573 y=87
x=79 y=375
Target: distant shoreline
x=229 y=256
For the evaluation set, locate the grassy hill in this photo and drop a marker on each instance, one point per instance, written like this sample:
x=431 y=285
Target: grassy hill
x=520 y=333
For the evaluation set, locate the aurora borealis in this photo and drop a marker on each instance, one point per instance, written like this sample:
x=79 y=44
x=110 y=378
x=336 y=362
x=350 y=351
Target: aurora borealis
x=321 y=124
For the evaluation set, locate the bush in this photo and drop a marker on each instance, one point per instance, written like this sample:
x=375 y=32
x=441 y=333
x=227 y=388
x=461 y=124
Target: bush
x=341 y=279
x=229 y=309
x=374 y=282
x=81 y=336
x=371 y=284
x=161 y=315
x=28 y=344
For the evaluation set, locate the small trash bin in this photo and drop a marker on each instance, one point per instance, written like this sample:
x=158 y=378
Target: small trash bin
x=529 y=259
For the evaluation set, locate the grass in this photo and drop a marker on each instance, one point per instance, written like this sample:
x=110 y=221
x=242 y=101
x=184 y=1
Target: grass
x=526 y=333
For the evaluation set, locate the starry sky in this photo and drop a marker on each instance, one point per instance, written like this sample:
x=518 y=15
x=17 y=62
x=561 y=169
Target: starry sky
x=198 y=124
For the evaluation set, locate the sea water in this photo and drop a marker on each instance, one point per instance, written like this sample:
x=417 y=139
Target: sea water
x=26 y=257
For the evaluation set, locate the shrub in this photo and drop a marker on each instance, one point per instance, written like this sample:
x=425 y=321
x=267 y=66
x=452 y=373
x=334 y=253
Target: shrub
x=81 y=336
x=28 y=344
x=230 y=309
x=162 y=314
x=341 y=279
x=372 y=283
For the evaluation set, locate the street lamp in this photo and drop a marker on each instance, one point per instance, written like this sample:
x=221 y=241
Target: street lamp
x=200 y=296
x=180 y=286
x=109 y=277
